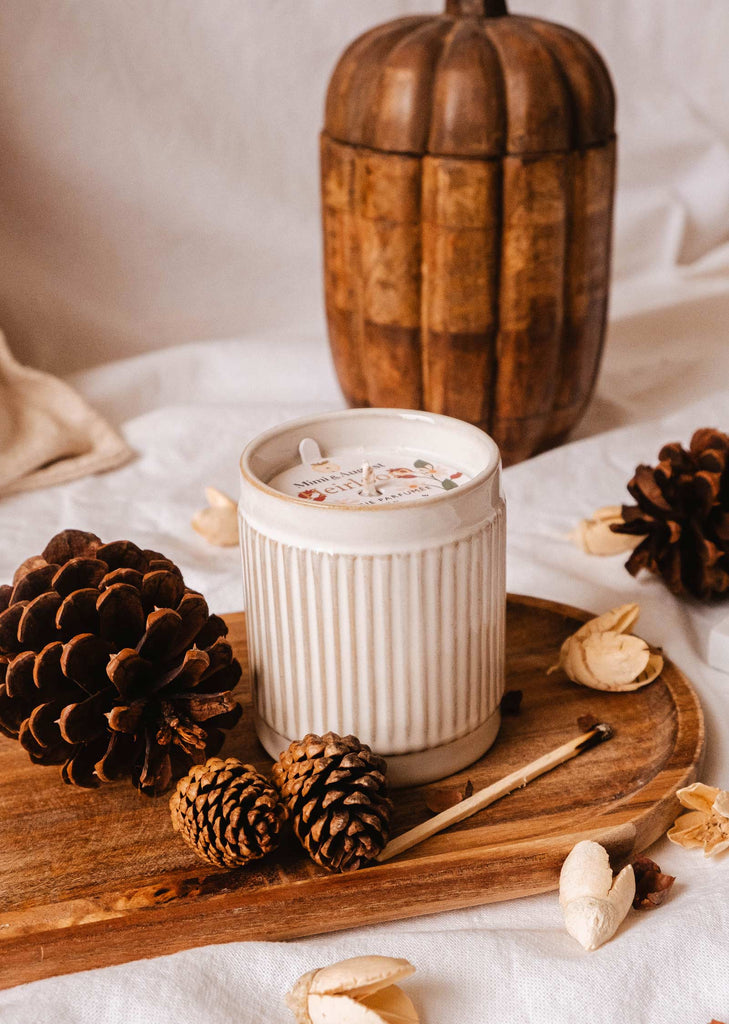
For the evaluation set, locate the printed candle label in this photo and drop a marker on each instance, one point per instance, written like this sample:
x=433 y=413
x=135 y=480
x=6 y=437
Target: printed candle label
x=339 y=480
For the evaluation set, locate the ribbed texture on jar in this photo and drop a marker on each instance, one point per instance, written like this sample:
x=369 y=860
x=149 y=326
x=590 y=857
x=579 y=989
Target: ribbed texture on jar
x=405 y=651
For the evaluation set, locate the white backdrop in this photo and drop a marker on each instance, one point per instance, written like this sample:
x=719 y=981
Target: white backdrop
x=159 y=180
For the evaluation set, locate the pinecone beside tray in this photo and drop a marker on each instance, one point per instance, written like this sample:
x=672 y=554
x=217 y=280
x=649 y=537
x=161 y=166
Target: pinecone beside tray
x=111 y=666
x=682 y=516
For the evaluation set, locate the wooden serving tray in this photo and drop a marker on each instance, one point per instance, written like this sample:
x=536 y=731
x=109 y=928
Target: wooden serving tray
x=92 y=878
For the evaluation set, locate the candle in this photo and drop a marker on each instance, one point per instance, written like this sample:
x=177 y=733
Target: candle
x=373 y=548
x=358 y=476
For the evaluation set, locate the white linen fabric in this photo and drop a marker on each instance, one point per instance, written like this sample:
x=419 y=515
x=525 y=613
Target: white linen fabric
x=188 y=412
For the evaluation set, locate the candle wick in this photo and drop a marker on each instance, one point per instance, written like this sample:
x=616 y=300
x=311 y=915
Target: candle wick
x=309 y=451
x=369 y=487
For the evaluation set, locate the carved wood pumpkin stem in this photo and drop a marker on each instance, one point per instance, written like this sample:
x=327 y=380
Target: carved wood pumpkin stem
x=476 y=8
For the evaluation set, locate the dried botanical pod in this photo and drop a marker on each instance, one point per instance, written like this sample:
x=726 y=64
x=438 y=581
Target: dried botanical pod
x=227 y=812
x=707 y=823
x=593 y=903
x=218 y=523
x=618 y=620
x=111 y=666
x=596 y=537
x=602 y=654
x=361 y=990
x=335 y=789
x=651 y=885
x=681 y=516
x=611 y=661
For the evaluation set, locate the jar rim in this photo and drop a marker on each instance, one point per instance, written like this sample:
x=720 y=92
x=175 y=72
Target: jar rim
x=302 y=425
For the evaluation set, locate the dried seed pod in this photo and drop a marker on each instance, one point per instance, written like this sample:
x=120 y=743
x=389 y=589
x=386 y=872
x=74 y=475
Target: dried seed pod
x=652 y=886
x=110 y=666
x=594 y=905
x=596 y=537
x=335 y=789
x=706 y=826
x=602 y=655
x=227 y=812
x=218 y=523
x=361 y=990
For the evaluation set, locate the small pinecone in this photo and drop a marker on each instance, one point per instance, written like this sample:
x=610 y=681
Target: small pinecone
x=227 y=812
x=682 y=513
x=111 y=666
x=335 y=790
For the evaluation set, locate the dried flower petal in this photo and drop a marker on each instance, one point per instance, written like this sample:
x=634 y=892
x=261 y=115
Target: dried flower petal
x=218 y=523
x=596 y=537
x=721 y=803
x=618 y=620
x=707 y=824
x=651 y=885
x=698 y=797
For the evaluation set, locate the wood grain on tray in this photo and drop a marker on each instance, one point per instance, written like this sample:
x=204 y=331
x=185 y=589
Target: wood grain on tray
x=93 y=878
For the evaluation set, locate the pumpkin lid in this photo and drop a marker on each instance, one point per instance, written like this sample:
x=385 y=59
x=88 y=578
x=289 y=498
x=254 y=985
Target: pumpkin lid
x=473 y=82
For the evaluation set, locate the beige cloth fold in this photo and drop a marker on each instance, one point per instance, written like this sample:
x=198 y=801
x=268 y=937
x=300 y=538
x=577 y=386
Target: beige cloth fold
x=48 y=433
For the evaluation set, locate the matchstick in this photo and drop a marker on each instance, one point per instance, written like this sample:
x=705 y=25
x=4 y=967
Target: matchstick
x=490 y=794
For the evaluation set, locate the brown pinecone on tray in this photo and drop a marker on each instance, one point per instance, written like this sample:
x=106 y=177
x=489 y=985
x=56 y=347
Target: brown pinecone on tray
x=227 y=812
x=335 y=790
x=682 y=512
x=111 y=666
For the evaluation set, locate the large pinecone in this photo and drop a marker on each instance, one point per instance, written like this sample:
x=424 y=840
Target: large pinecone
x=227 y=812
x=336 y=793
x=682 y=512
x=111 y=666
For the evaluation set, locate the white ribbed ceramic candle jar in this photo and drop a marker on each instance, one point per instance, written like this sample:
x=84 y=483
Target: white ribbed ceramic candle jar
x=383 y=617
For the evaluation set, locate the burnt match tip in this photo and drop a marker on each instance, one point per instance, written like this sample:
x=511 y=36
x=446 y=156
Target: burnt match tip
x=598 y=734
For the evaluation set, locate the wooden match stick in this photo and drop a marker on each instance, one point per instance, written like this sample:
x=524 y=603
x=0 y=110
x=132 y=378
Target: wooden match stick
x=490 y=794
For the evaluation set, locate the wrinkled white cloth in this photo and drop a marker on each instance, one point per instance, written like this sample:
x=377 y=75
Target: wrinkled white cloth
x=188 y=413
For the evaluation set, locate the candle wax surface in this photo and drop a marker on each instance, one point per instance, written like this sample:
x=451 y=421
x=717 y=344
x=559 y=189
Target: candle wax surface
x=399 y=475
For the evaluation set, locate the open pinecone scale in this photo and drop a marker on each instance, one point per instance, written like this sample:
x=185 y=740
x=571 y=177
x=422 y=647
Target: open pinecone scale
x=111 y=666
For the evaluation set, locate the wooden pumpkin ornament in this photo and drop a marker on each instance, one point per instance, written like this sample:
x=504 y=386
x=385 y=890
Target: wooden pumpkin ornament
x=467 y=166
